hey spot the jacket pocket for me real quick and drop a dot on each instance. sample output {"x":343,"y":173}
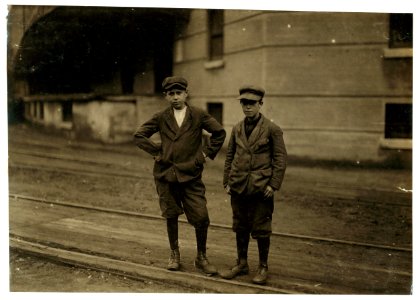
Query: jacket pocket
{"x":259,"y":179}
{"x":262,"y":146}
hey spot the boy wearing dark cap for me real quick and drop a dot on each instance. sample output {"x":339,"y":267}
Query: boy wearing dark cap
{"x":178,"y":167}
{"x":254,"y":169}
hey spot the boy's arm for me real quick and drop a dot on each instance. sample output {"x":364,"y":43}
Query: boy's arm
{"x":217,"y":138}
{"x":143,"y":134}
{"x":279,"y":160}
{"x":231,"y":149}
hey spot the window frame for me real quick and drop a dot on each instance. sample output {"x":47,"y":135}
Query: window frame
{"x":215,"y":31}
{"x":395,"y":143}
{"x":397,"y":49}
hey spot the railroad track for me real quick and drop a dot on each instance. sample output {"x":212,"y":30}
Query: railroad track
{"x":71,"y":158}
{"x":132,"y":270}
{"x":214,"y":225}
{"x":339,"y":265}
{"x":85,"y":236}
{"x":400,"y":198}
{"x":114,"y":264}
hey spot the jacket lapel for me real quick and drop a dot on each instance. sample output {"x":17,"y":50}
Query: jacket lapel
{"x":186,"y":124}
{"x":171,"y":122}
{"x":256,"y":133}
{"x":242,"y":135}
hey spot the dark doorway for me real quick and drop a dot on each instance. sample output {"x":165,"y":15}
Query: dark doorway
{"x":216,"y":110}
{"x":75,"y":49}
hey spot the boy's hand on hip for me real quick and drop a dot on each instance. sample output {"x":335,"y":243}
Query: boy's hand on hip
{"x":227,"y":189}
{"x":157,"y":158}
{"x":269,"y":192}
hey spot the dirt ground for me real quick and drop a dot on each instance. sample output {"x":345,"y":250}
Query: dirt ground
{"x":34,"y":274}
{"x":340,"y":203}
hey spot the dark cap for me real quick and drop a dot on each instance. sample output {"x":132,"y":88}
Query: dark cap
{"x":251,"y":92}
{"x":174,"y":81}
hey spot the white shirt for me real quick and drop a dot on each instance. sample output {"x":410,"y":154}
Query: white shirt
{"x":180,"y":115}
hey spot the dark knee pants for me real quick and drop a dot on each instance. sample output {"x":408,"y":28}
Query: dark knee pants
{"x":252,"y":214}
{"x":175,"y":198}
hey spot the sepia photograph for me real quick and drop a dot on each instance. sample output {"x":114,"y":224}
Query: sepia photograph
{"x":178,"y":150}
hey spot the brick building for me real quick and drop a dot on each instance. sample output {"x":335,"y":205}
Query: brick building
{"x":339,"y":84}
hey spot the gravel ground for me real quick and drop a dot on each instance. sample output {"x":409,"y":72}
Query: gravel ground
{"x":317,"y":200}
{"x":35,"y":274}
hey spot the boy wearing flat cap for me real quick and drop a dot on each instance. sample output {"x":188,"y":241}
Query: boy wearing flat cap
{"x":254,"y":169}
{"x":179,"y":163}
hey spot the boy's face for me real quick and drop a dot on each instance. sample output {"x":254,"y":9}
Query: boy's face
{"x":251,"y":108}
{"x":177,"y":98}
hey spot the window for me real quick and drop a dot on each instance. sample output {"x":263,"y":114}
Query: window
{"x":41,"y":110}
{"x":400,"y":36}
{"x":216,"y":110}
{"x":179,"y":51}
{"x":215,"y":27}
{"x":401,"y":31}
{"x":398,"y":121}
{"x":67,"y":111}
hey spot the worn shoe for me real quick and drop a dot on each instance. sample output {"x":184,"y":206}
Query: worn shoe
{"x":202,"y":263}
{"x":174,"y":260}
{"x":241,"y":268}
{"x":262,"y":274}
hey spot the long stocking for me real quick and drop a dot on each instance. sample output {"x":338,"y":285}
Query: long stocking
{"x":172,"y":228}
{"x":263,"y":249}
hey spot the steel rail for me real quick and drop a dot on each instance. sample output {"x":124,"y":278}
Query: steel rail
{"x":128,"y":174}
{"x":96,"y":162}
{"x":215,"y":225}
{"x":100,"y":262}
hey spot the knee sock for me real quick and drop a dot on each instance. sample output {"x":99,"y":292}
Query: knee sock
{"x":242,"y":242}
{"x":201,"y":237}
{"x":172,"y":229}
{"x":263,"y":249}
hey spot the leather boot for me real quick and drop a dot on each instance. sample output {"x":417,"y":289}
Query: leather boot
{"x":174,"y":260}
{"x":262,"y":275}
{"x":241,"y":268}
{"x":202,"y":263}
{"x":263,"y":249}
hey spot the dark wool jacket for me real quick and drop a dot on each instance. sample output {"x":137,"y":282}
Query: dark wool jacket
{"x":252,"y":164}
{"x":180,"y":152}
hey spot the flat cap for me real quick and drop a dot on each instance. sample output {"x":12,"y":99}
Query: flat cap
{"x":174,"y":81}
{"x":251,"y":92}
